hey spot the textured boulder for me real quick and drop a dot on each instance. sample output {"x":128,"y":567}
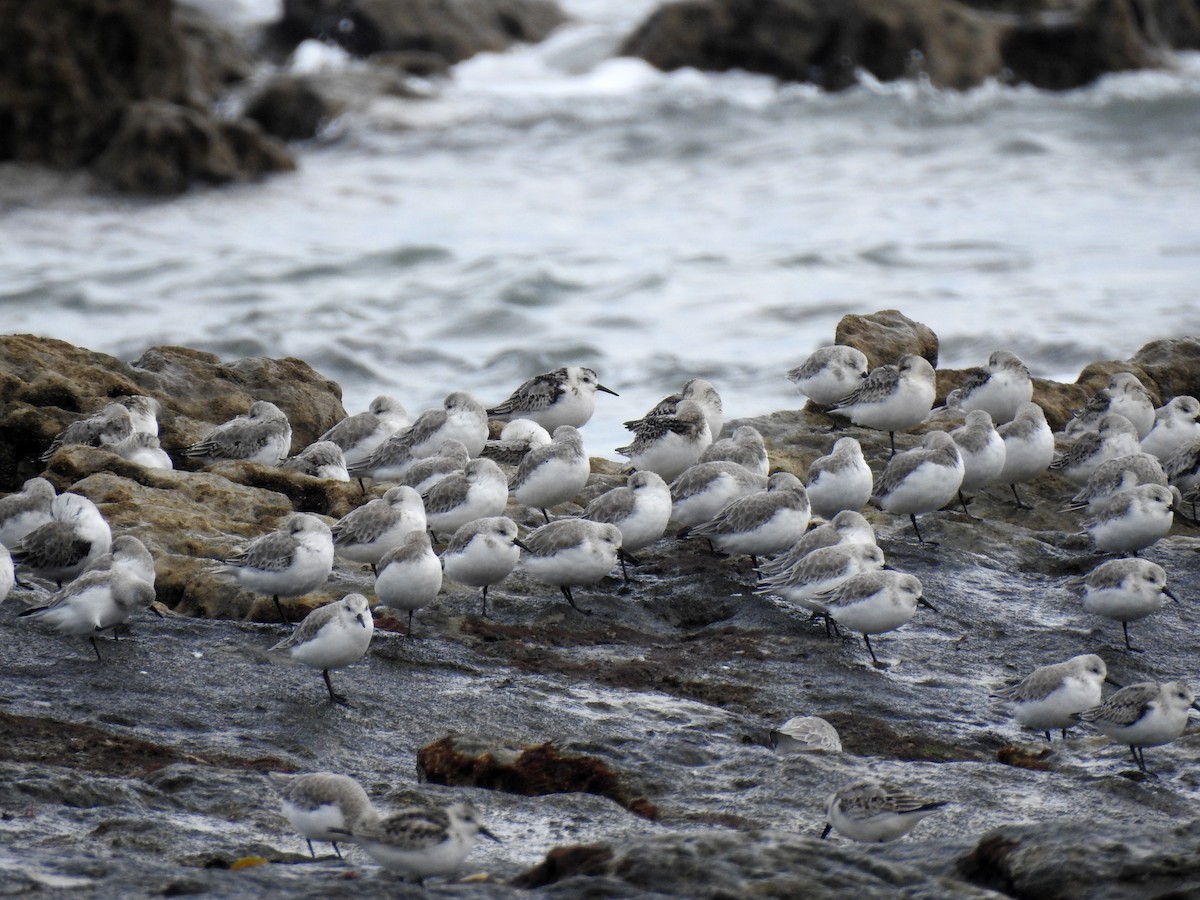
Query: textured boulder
{"x":887,"y":335}
{"x":289,"y":107}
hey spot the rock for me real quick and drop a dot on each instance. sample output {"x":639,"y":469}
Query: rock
{"x":887,"y":335}
{"x":1173,"y":365}
{"x":127,"y":95}
{"x":822,"y":41}
{"x":452,"y":31}
{"x":540,"y":769}
{"x":289,"y":107}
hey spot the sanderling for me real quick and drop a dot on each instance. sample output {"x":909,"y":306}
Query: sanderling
{"x":950,"y":414}
{"x":1114,"y":436}
{"x":285,"y":563}
{"x":744,"y":447}
{"x":25,"y":510}
{"x":552,"y":474}
{"x":921,"y":480}
{"x":821,"y":571}
{"x":1182,"y":467}
{"x":410,"y":576}
{"x":478,"y":492}
{"x":670,"y":443}
{"x":263,"y":435}
{"x":1143,"y":715}
{"x":704,"y":489}
{"x":1125,"y":590}
{"x":8,"y":574}
{"x":1126,"y":396}
{"x":700,"y":392}
{"x":128,"y":554}
{"x":517,"y":437}
{"x":422,"y":841}
{"x":316,"y":802}
{"x":143,"y":412}
{"x":892,"y":397}
{"x":461,"y":418}
{"x":374,"y":529}
{"x":452,"y":457}
{"x":565,"y":396}
{"x":801,"y":734}
{"x":571,"y":552}
{"x":641,"y":510}
{"x":1133,"y":519}
{"x":143,"y":449}
{"x":847,"y":527}
{"x":1115,"y":475}
{"x":94,"y":602}
{"x":874,"y":811}
{"x":331,"y":637}
{"x":324,"y":459}
{"x":1028,"y":447}
{"x":1175,"y":424}
{"x":873,"y":603}
{"x":841,"y":480}
{"x":482,"y":553}
{"x":830,"y":374}
{"x":108,"y":426}
{"x":761,"y":523}
{"x":361,"y":434}
{"x":63,"y":547}
{"x":1052,"y":696}
{"x":998,"y":390}
{"x":982,"y":451}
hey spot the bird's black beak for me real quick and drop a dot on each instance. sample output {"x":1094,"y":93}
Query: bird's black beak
{"x":921,"y":601}
{"x":488,"y":834}
{"x":1169,"y":594}
{"x":601,"y":387}
{"x":154,"y":609}
{"x":522,"y":546}
{"x":825,"y":833}
{"x":361,"y":620}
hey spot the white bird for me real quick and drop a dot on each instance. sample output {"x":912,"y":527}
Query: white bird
{"x":765,"y":522}
{"x":422,"y":841}
{"x":1126,"y":396}
{"x":571,"y":552}
{"x":479,"y":491}
{"x":641,"y":510}
{"x":1028,"y":447}
{"x":263,"y":435}
{"x":59,"y":550}
{"x":700,"y":392}
{"x":517,"y":437}
{"x":1175,"y":424}
{"x":324,"y":459}
{"x":921,"y":480}
{"x":553,"y":474}
{"x":143,"y":413}
{"x":982,"y":451}
{"x":322,"y":806}
{"x":819,"y":572}
{"x":410,"y":576}
{"x":874,"y":811}
{"x":366,"y":534}
{"x":460,"y":418}
{"x":704,"y":489}
{"x":451,"y":458}
{"x":873,"y":603}
{"x":331,"y":637}
{"x":802,"y":734}
{"x":482,"y":553}
{"x":830,"y":374}
{"x":1000,"y":389}
{"x":95,"y":602}
{"x":108,"y":426}
{"x":1114,"y":475}
{"x":128,"y":554}
{"x":8,"y":576}
{"x":1113,"y":437}
{"x":143,"y":449}
{"x":841,"y":480}
{"x":892,"y":397}
{"x":285,"y":563}
{"x":847,"y":527}
{"x":1053,"y":696}
{"x":1133,"y":519}
{"x":361,"y":434}
{"x":744,"y":447}
{"x":668,"y":444}
{"x":565,"y":396}
{"x":1124,"y":590}
{"x":1143,"y":715}
{"x":25,"y":510}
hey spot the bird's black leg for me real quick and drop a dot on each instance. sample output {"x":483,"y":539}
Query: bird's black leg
{"x":483,"y":609}
{"x":333,"y":696}
{"x":870,"y":649}
{"x":92,"y":638}
{"x":311,"y":851}
{"x":279,"y":607}
{"x":567,"y":593}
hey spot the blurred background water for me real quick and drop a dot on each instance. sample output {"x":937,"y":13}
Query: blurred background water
{"x":555,"y":205}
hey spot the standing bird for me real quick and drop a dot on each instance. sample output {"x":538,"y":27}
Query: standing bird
{"x":482,"y":553}
{"x":1126,"y":396}
{"x":263,"y":435}
{"x":758,"y":524}
{"x":1053,"y":696}
{"x":1113,"y":437}
{"x":830,"y":374}
{"x":323,"y":805}
{"x":25,"y":510}
{"x":452,"y":457}
{"x":422,"y":841}
{"x":892,"y":398}
{"x":553,"y":474}
{"x":744,"y":447}
{"x":640,"y":509}
{"x":847,"y":527}
{"x":461,"y":418}
{"x":1133,"y":519}
{"x":62,"y":548}
{"x":410,"y":576}
{"x":1143,"y":715}
{"x":841,"y":480}
{"x":96,"y":601}
{"x":921,"y":480}
{"x":1028,"y":447}
{"x":565,"y":396}
{"x":1124,"y":590}
{"x":820,"y":572}
{"x":700,"y":392}
{"x":361,"y":434}
{"x":982,"y":451}
{"x":479,"y":491}
{"x":366,"y":534}
{"x":874,"y":811}
{"x":873,"y":603}
{"x":331,"y":637}
{"x":704,"y":489}
{"x":1175,"y":424}
{"x":571,"y":552}
{"x":670,"y":443}
{"x":285,"y":563}
{"x":998,"y":390}
{"x":1115,"y":475}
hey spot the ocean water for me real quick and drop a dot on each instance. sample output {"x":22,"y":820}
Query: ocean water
{"x":555,"y":205}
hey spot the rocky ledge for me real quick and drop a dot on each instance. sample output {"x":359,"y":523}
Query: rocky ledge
{"x":144,"y":775}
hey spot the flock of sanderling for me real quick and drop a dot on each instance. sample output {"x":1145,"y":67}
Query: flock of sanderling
{"x":1133,"y":466}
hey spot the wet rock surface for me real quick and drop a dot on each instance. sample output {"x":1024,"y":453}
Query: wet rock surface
{"x":144,"y":774}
